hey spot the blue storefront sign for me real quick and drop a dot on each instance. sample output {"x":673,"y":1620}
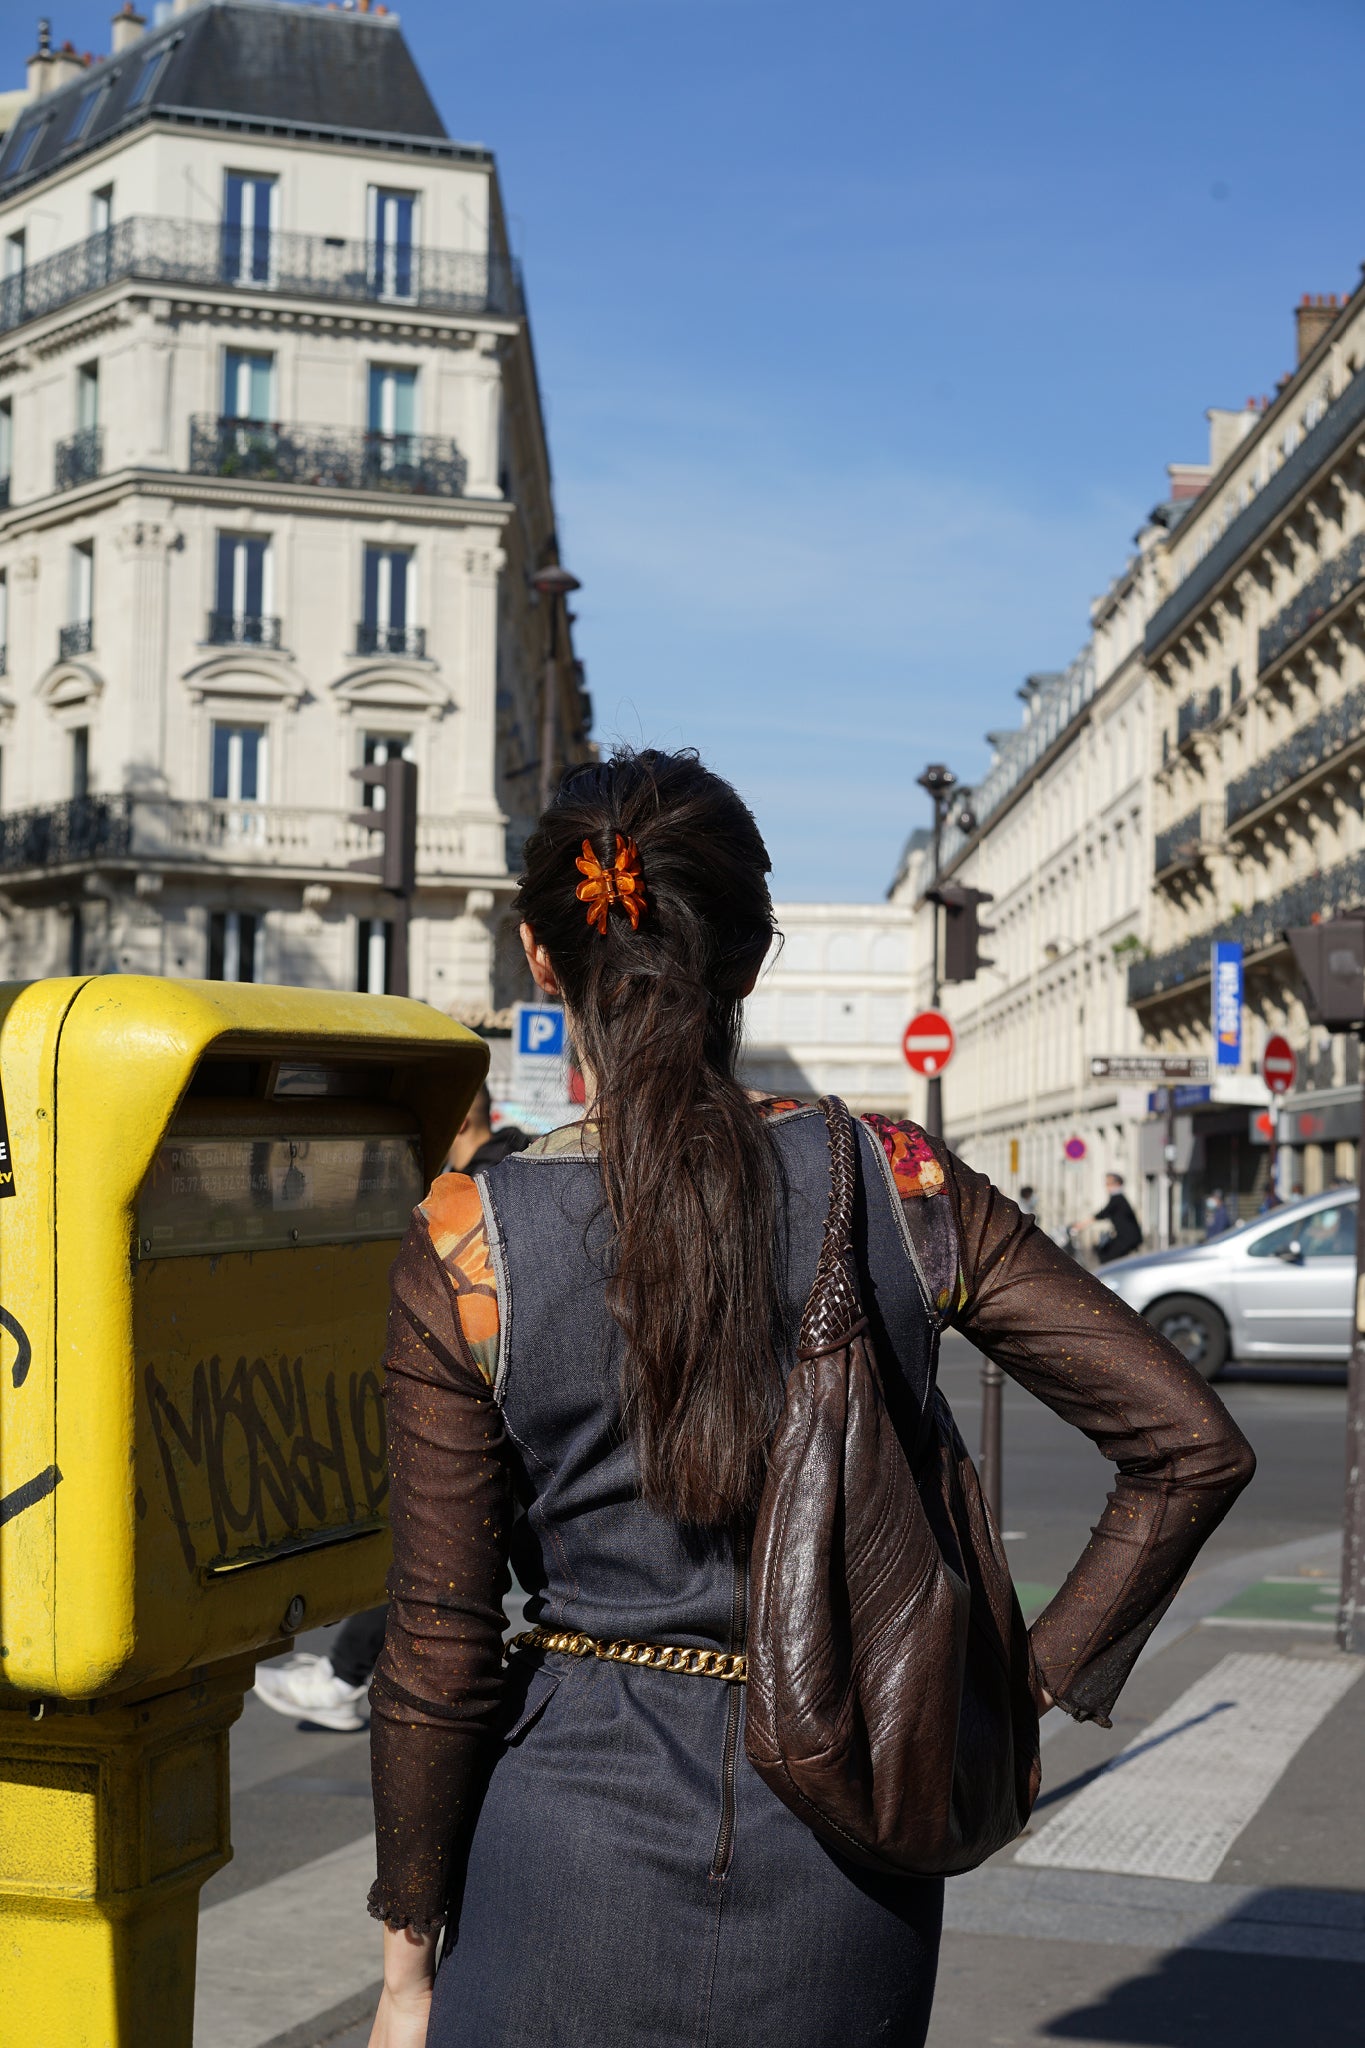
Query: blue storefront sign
{"x":1227,"y":1003}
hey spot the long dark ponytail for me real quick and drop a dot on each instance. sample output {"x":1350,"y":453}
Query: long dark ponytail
{"x":690,"y":1171}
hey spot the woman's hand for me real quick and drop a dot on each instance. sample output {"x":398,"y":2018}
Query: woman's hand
{"x":405,"y":2003}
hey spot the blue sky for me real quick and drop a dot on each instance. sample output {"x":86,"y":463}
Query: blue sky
{"x":866,"y":333}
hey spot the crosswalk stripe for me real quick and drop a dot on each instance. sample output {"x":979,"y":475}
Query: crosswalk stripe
{"x":1175,"y":1800}
{"x":271,"y":1958}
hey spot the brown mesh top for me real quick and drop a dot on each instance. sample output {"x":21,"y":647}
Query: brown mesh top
{"x":1046,"y":1321}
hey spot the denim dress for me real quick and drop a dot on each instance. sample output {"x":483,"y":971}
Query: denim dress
{"x":631,"y":1880}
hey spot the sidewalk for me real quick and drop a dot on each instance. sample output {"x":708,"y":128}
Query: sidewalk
{"x":1194,"y":1877}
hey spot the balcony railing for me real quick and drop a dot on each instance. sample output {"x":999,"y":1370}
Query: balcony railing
{"x":1320,"y":896}
{"x":1340,"y":726}
{"x":421,"y":465}
{"x":85,"y":828}
{"x":77,"y":638}
{"x":1196,"y":713}
{"x":4,"y":659}
{"x":1321,"y":592}
{"x":79,"y":458}
{"x":243,"y":629}
{"x":212,"y":831}
{"x":153,"y":249}
{"x":4,"y":493}
{"x":405,"y":640}
{"x":1180,"y":843}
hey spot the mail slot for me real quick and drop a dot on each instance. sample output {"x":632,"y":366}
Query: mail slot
{"x":207,"y":1185}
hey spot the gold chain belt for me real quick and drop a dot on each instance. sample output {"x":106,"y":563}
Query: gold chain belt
{"x":731,"y":1665}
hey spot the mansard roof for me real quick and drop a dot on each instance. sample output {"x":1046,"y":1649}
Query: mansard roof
{"x":253,"y":66}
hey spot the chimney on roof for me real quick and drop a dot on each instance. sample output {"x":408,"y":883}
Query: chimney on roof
{"x":40,"y":63}
{"x":67,"y":63}
{"x":1312,"y":318}
{"x":128,"y":25}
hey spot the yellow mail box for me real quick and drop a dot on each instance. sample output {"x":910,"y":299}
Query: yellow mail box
{"x":202,"y":1188}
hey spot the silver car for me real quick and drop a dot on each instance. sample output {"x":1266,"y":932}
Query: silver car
{"x":1281,"y":1286}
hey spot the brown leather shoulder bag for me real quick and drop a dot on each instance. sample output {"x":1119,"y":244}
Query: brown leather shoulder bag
{"x":890,"y":1696}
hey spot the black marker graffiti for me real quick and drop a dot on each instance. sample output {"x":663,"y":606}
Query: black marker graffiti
{"x":253,"y":1429}
{"x":23,"y":1357}
{"x":29,"y":1494}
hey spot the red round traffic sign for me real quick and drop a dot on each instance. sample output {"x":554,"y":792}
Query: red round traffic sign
{"x":928,"y":1042}
{"x":1279,"y":1064}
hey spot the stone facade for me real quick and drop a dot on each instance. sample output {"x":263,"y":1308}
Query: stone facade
{"x":1258,"y":671}
{"x":275,"y":484}
{"x":831,"y":1006}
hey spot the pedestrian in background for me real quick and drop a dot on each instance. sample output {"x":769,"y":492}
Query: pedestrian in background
{"x":588,"y":1346}
{"x":1028,"y":1205}
{"x":329,"y":1691}
{"x":1125,"y":1232}
{"x":1216,"y":1217}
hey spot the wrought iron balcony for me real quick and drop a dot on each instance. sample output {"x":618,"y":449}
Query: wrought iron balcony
{"x":1257,"y":929}
{"x":79,"y":458}
{"x":4,"y":659}
{"x":1340,"y":726}
{"x":77,"y":638}
{"x":1180,"y":844}
{"x":1196,"y":713}
{"x":214,"y":832}
{"x":85,"y":828}
{"x":1321,"y":592}
{"x":4,"y":493}
{"x":420,"y":465}
{"x":406,"y":640}
{"x":153,"y":249}
{"x":243,"y":629}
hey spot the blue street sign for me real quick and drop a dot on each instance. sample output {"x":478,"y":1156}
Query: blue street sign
{"x":540,"y":1031}
{"x":1226,"y":976}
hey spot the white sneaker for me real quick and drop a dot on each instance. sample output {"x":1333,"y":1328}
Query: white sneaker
{"x":307,"y":1688}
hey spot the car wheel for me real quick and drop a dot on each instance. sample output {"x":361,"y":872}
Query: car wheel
{"x":1195,"y":1328}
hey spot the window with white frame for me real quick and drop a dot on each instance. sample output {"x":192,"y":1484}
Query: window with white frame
{"x":87,"y":397}
{"x":240,"y":764}
{"x":374,"y":955}
{"x":392,"y":234}
{"x":244,"y":592}
{"x":234,"y":937}
{"x":250,"y":216}
{"x":248,"y":385}
{"x":81,"y":584}
{"x":102,"y":210}
{"x":389,"y":603}
{"x":392,"y":415}
{"x":78,"y":742}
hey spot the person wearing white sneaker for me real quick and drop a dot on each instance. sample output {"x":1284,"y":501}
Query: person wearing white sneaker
{"x":306,"y":1688}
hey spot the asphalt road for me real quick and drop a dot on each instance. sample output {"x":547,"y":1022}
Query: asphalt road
{"x":1055,"y":1482}
{"x":300,"y":1796}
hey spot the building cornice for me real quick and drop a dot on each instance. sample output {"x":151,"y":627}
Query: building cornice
{"x":58,"y":509}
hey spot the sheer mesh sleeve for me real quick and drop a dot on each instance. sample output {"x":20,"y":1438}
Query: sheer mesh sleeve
{"x":438,"y":1685}
{"x":1182,"y":1461}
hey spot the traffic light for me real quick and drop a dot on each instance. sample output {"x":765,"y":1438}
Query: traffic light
{"x":1331,"y":959}
{"x":963,"y":930}
{"x":396,"y":866}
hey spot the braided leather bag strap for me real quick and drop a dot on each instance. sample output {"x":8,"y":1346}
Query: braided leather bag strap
{"x":834,"y":1309}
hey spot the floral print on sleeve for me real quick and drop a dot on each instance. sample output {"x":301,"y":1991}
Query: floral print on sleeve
{"x":914,"y":1168}
{"x":453,"y":1215}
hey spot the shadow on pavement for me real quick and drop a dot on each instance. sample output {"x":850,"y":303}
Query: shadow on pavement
{"x":1194,"y":1999}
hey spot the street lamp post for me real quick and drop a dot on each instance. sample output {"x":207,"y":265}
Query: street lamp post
{"x":940,"y":782}
{"x":553,"y":583}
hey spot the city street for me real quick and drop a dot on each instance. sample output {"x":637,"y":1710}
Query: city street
{"x":1035,"y":1952}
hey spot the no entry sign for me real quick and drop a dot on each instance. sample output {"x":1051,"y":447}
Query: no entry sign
{"x":1279,"y":1064}
{"x":928,"y":1042}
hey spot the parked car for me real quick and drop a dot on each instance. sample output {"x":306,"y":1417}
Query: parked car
{"x":1280,"y":1286}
